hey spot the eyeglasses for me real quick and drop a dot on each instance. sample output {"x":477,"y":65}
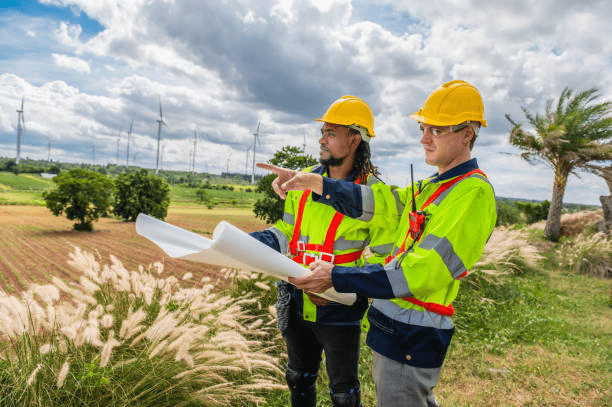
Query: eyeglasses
{"x":437,"y":132}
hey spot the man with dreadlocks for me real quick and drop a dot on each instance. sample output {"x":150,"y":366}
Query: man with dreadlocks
{"x":310,"y":231}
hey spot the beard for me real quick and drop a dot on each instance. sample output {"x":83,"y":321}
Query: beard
{"x":331,"y":161}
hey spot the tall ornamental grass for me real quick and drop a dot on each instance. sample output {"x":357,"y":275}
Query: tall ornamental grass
{"x":587,"y":254}
{"x":119,"y":338}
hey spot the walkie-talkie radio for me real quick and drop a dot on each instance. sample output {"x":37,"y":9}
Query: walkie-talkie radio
{"x":417,"y":218}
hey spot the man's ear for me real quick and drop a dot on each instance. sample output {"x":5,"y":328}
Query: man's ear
{"x":469,"y":134}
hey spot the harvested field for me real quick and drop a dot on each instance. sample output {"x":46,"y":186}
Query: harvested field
{"x":34,"y":244}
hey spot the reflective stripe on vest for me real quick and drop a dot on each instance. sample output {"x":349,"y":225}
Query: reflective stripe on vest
{"x":430,"y":306}
{"x":326,"y":250}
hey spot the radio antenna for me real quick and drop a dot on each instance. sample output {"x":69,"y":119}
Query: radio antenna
{"x":412,"y":189}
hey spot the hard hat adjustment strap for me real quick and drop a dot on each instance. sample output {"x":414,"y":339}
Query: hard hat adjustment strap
{"x":362,"y":130}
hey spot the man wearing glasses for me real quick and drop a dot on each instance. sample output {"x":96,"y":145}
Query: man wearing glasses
{"x":445,"y":224}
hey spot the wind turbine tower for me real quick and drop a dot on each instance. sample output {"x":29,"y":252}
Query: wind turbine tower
{"x":160,"y":123}
{"x":195,"y":151}
{"x":127,"y":156}
{"x":118,"y":141}
{"x":20,"y":131}
{"x":255,"y":141}
{"x":246,"y":164}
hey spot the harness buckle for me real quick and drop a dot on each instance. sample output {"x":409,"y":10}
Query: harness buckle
{"x":328,"y":257}
{"x":301,"y":246}
{"x":310,"y":258}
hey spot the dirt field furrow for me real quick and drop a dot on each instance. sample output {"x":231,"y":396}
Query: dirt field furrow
{"x":22,"y":262}
{"x":35,"y":245}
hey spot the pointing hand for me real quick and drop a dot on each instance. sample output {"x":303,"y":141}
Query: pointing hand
{"x":292,"y":180}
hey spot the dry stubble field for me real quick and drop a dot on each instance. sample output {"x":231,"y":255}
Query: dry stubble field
{"x":35,"y":245}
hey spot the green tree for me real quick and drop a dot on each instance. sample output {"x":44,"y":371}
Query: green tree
{"x":507,"y":213}
{"x":82,"y":194}
{"x":141,"y":192}
{"x":270,"y":207}
{"x":568,"y":137}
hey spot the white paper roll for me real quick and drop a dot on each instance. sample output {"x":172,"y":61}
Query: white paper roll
{"x":229,"y":247}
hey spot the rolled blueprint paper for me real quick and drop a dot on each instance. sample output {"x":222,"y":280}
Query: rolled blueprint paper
{"x":229,"y":247}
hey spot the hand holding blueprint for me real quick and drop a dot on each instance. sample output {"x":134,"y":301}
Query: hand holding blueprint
{"x":229,"y":247}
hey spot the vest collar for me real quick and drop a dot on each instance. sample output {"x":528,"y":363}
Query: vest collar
{"x":461,"y":169}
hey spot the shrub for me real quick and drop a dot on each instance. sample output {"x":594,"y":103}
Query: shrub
{"x":202,"y":195}
{"x":507,"y":213}
{"x":534,"y":212}
{"x":141,"y":192}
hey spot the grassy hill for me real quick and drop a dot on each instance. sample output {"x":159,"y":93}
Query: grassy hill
{"x":26,"y":189}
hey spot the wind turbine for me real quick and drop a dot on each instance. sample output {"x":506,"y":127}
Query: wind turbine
{"x":160,"y":123}
{"x":127,"y":156}
{"x":255,"y":141}
{"x":20,"y":131}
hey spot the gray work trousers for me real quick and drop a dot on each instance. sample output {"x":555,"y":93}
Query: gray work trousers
{"x":401,"y":385}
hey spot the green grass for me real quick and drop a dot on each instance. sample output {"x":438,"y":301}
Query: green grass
{"x":26,"y":189}
{"x":23,"y":189}
{"x":239,"y":197}
{"x":534,"y":337}
{"x":24,"y":182}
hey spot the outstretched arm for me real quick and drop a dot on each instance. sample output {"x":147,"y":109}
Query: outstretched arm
{"x":292,"y":180}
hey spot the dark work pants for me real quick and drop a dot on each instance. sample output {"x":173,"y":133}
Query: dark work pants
{"x":305,"y":343}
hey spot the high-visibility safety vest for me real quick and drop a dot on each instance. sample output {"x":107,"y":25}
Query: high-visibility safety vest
{"x":315,"y":231}
{"x":306,"y":253}
{"x":442,"y":202}
{"x":448,"y":310}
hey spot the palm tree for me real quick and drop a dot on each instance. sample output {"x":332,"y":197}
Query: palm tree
{"x":568,"y":138}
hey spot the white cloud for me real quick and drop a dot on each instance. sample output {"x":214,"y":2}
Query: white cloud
{"x":74,"y":63}
{"x":219,"y":68}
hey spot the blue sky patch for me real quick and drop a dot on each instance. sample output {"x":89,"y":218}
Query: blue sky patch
{"x":72,"y":14}
{"x":385,"y":15}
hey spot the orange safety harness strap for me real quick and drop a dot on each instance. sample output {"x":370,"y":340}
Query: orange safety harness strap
{"x":326,"y":250}
{"x":430,"y":306}
{"x":432,"y":198}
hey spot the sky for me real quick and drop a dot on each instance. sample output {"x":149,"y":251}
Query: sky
{"x":89,"y":70}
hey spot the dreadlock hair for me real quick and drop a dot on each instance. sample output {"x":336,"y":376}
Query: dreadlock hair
{"x":362,"y":165}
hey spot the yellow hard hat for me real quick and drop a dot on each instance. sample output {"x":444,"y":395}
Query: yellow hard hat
{"x":351,"y":111}
{"x":453,"y":103}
